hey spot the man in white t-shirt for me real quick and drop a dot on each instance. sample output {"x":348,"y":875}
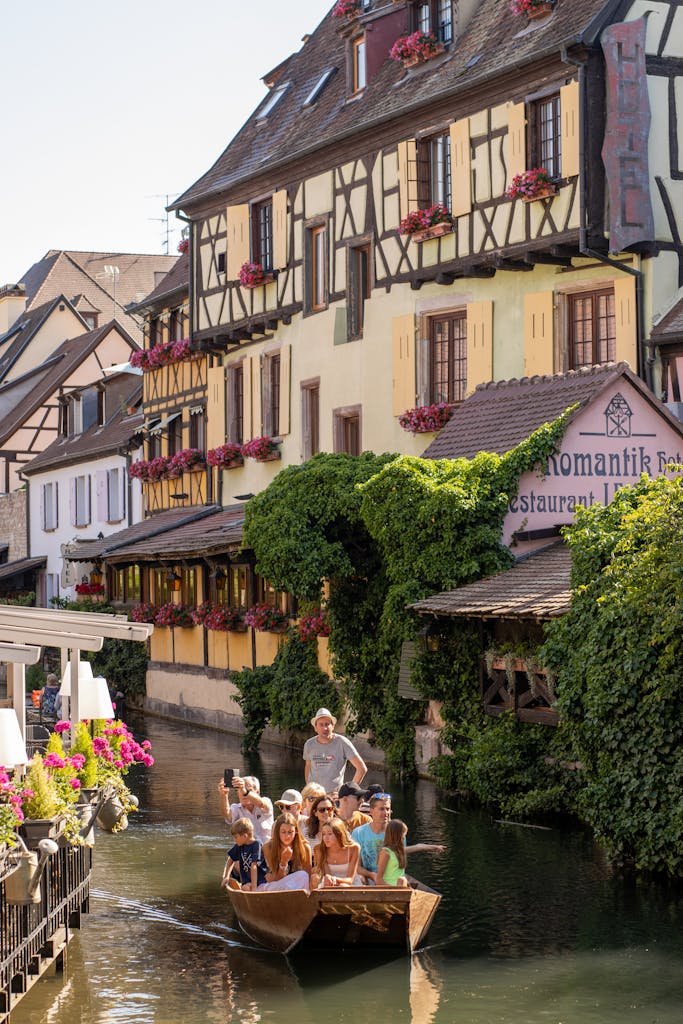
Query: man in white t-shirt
{"x":326,"y":754}
{"x":258,"y":809}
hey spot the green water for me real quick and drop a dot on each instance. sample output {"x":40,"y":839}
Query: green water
{"x":533,"y":928}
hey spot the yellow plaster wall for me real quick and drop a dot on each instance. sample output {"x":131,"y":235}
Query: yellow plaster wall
{"x":189,"y":646}
{"x":192,"y":691}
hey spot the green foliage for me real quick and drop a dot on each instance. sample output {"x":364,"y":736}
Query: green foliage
{"x":21,"y":600}
{"x":617,"y":660}
{"x":123,"y":664}
{"x":82,"y":744}
{"x":285,"y":694}
{"x":35,"y":678}
{"x":45,"y":801}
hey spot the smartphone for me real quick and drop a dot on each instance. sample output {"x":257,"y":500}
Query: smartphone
{"x":228,"y":775}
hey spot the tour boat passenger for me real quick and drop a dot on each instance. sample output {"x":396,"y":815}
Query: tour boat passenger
{"x":336,"y":857}
{"x":322,"y":810}
{"x":291,"y":801}
{"x":309,"y":794}
{"x":287,"y":856}
{"x":258,"y":809}
{"x":391,"y":863}
{"x":370,"y":838}
{"x":326,"y":754}
{"x":350,"y":799}
{"x":246,"y":855}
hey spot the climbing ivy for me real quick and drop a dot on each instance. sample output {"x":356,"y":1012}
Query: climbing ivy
{"x":617,"y":659}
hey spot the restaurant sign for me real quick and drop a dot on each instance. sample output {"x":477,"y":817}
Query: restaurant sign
{"x":610,"y":443}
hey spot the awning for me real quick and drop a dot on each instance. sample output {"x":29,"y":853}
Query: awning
{"x":163,"y":424}
{"x":21,"y":566}
{"x":538,"y":587}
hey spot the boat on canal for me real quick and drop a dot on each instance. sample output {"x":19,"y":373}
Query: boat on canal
{"x":349,"y":916}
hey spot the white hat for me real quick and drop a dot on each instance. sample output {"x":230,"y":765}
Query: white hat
{"x":290,"y":796}
{"x":323,"y":713}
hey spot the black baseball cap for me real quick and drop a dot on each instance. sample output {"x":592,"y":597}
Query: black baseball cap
{"x":352,"y":789}
{"x":374,"y":789}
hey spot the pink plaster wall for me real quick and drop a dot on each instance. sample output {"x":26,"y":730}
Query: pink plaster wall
{"x":610,"y":443}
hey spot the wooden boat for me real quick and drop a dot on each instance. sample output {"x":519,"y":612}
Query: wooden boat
{"x":353,"y":916}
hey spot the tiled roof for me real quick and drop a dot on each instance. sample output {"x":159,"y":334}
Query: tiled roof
{"x":116,"y":434}
{"x":670,"y":327}
{"x":10,"y":569}
{"x":216,"y":534}
{"x":88,"y":551}
{"x":81,"y":274}
{"x":537,"y":587}
{"x":493,"y":42}
{"x":23,"y":330}
{"x":21,"y":397}
{"x":499,"y":415}
{"x":177,"y":280}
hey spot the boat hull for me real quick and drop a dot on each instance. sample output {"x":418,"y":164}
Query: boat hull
{"x":362,"y":916}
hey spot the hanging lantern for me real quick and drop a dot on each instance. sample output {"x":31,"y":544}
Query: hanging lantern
{"x":96,"y":576}
{"x":175,"y":581}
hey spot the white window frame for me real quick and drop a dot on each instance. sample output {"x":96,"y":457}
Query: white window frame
{"x":50,"y":507}
{"x":116,"y":500}
{"x":82,"y":510}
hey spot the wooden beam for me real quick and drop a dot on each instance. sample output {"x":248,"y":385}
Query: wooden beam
{"x":501,"y":263}
{"x":547,"y":259}
{"x":445,"y":278}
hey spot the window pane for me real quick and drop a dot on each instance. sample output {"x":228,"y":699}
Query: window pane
{"x":440,"y":170}
{"x":359,"y":73}
{"x":606,"y":329}
{"x":319,"y":265}
{"x":444,"y":16}
{"x":265,"y":235}
{"x":274,"y":369}
{"x":449,"y":359}
{"x":549,"y":128}
{"x":424,"y":17}
{"x":314,"y":419}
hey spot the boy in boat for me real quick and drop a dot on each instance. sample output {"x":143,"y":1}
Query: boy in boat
{"x":370,"y":838}
{"x":246,"y":855}
{"x":326,"y":754}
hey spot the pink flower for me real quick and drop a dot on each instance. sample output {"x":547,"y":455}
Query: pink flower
{"x":119,"y":764}
{"x":146,"y":745}
{"x":27,"y":793}
{"x":54,"y":761}
{"x":100,"y":745}
{"x":75,"y":783}
{"x":426,"y":418}
{"x":148,"y":760}
{"x":62,"y":725}
{"x":76,"y":761}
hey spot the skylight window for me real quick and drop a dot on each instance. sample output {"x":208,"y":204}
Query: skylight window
{"x":318,"y":87}
{"x":273,"y":100}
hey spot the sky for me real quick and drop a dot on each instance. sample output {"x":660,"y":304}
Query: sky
{"x":109,"y":107}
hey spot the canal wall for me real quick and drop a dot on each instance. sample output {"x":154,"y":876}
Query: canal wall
{"x":207,"y":697}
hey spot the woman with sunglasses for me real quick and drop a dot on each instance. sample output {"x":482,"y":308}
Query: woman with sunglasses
{"x":309,"y":794}
{"x":322,"y":810}
{"x":336,"y":857}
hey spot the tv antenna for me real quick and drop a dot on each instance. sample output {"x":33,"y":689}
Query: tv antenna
{"x":111,"y":272}
{"x":166,"y":220}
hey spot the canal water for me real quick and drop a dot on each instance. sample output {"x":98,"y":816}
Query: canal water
{"x":533,"y":928}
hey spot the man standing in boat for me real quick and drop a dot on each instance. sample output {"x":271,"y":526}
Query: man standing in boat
{"x":327,"y":753}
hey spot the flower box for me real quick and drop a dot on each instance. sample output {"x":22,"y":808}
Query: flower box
{"x":532,"y":8}
{"x":434,"y":232}
{"x":419,"y":58}
{"x":416,"y":48}
{"x":252,"y":275}
{"x":531,"y":185}
{"x":545,"y":193}
{"x":150,"y":359}
{"x":33,"y":830}
{"x":266,"y":619}
{"x":262,"y":449}
{"x":426,"y":419}
{"x":542,"y":11}
{"x":226,"y":456}
{"x":419,"y":222}
{"x":348,"y":9}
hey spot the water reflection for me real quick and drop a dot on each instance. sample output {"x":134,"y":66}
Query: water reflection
{"x":533,"y":928}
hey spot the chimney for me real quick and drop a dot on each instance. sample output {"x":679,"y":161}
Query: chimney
{"x":12,"y":305}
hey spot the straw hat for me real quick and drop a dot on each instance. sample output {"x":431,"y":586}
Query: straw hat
{"x":323,"y":713}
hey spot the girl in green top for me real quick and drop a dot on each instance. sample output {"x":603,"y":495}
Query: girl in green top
{"x":391,"y":862}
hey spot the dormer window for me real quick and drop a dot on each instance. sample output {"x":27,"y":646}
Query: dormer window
{"x":318,"y":87}
{"x":359,"y":77}
{"x":435,"y":16}
{"x":272,"y":101}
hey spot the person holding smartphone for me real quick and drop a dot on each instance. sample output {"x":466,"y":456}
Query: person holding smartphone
{"x":250,"y":804}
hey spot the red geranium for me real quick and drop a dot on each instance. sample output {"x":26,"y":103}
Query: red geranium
{"x":143,"y":612}
{"x":251,"y":275}
{"x":422,"y":45}
{"x":264,"y":617}
{"x":225,"y":455}
{"x":419,"y":220}
{"x":171,"y":614}
{"x":346,"y":9}
{"x":524,"y":6}
{"x":260,"y":448}
{"x":426,"y":418}
{"x":314,"y":625}
{"x":529,"y":184}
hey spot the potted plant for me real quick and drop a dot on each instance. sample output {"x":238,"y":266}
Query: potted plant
{"x":187,"y":460}
{"x":43,"y":807}
{"x":252,"y":275}
{"x":219,"y":618}
{"x":265,"y":618}
{"x":261,"y":449}
{"x":183,"y":246}
{"x":116,"y":749}
{"x":226,"y":456}
{"x":313,"y":625}
{"x":532,"y":8}
{"x":348,"y":9}
{"x":143,"y":612}
{"x":426,"y":419}
{"x":428,"y":223}
{"x":169,"y":352}
{"x":11,"y":814}
{"x":416,"y":48}
{"x":175,"y":615}
{"x":531,"y":185}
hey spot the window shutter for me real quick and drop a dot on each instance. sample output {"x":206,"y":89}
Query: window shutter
{"x":626,"y":348}
{"x":306,"y":423}
{"x":246,"y":400}
{"x":269,"y":428}
{"x":403,"y":381}
{"x":122,"y":490}
{"x":423,"y":374}
{"x":407,"y":177}
{"x":102,"y":494}
{"x":516,"y":151}
{"x":55,"y":498}
{"x":43,"y":506}
{"x":571,"y":120}
{"x":238,"y":239}
{"x":280,"y":229}
{"x":285,"y":388}
{"x":72,"y":500}
{"x":461,"y":164}
{"x":256,"y":402}
{"x":215,"y":407}
{"x":538,"y":333}
{"x":88,"y":499}
{"x":479,"y":344}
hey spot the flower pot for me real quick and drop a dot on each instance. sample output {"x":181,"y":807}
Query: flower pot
{"x":544,"y":193}
{"x":273,"y":457}
{"x":542,"y":11}
{"x":112,"y":816}
{"x":435,"y":231}
{"x":266,"y":279}
{"x":418,"y":58}
{"x":32,"y":831}
{"x":234,"y":464}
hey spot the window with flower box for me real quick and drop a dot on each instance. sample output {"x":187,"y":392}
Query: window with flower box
{"x":592,"y":328}
{"x":262,"y":234}
{"x":434,"y":16}
{"x":448,"y":358}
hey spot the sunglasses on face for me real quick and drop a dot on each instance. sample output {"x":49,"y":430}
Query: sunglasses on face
{"x":324,"y":810}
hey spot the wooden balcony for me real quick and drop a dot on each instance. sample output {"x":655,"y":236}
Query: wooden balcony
{"x":520,"y":688}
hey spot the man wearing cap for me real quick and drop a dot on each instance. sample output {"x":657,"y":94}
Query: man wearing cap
{"x":291,"y":801}
{"x":326,"y":754}
{"x":350,"y":798}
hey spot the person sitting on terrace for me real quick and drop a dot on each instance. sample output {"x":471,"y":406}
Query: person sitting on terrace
{"x":291,"y":801}
{"x":322,"y":810}
{"x":326,"y":754}
{"x":50,"y":701}
{"x":336,"y":857}
{"x":287,"y":856}
{"x":391,"y":863}
{"x":246,"y":855}
{"x":351,"y":797}
{"x":309,"y":794}
{"x":250,"y":804}
{"x":370,"y":838}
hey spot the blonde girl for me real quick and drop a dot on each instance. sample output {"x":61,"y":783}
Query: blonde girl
{"x":336,"y":857}
{"x":287,"y":857}
{"x":391,"y":862}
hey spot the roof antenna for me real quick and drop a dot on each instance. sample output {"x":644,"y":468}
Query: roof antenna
{"x":111,"y":272}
